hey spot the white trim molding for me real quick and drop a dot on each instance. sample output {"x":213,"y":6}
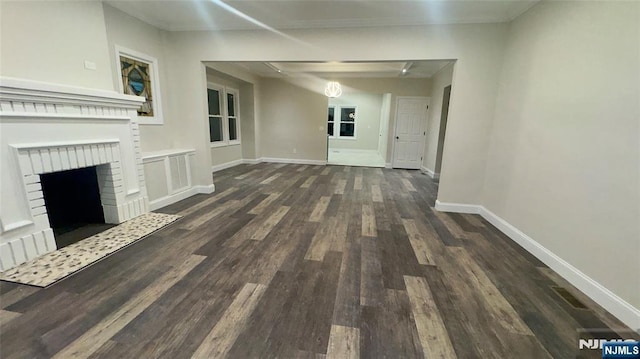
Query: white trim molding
{"x":254,"y":161}
{"x":458,"y":207}
{"x":177,"y":197}
{"x":610,"y":301}
{"x":293,"y":161}
{"x":223,"y":166}
{"x":251,"y":161}
{"x":429,"y":172}
{"x":208,"y":189}
{"x":176,"y":164}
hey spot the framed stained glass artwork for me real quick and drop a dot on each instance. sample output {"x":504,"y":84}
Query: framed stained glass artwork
{"x":138,"y":76}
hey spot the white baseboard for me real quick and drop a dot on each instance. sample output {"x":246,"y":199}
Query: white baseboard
{"x":387,"y":165}
{"x":177,"y":197}
{"x":293,"y":161}
{"x":458,"y":207}
{"x":430,"y":173}
{"x":251,"y":161}
{"x":617,"y":306}
{"x":226,"y":165}
{"x":208,"y":189}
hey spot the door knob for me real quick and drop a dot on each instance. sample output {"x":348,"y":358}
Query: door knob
{"x":397,"y":138}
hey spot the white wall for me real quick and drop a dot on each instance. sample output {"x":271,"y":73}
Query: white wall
{"x":128,"y":32}
{"x":564,"y":161}
{"x":49,"y":41}
{"x":385,"y":118}
{"x":368,"y":106}
{"x":439,"y":81}
{"x":293,"y":121}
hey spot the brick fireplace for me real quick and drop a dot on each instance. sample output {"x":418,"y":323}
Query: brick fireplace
{"x":48,"y":128}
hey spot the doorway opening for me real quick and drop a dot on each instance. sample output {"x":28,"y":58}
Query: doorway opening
{"x":355,"y":122}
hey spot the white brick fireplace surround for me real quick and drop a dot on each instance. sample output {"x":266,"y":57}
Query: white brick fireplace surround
{"x":47,"y":128}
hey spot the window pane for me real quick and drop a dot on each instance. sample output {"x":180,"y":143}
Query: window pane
{"x":330,"y":129}
{"x":230,"y":105}
{"x":347,"y":129}
{"x":233,"y":131}
{"x":331,"y":111}
{"x":347,"y":114}
{"x":215,"y":129}
{"x":214,"y":102}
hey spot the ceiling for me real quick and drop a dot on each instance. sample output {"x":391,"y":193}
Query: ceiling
{"x":328,"y":70}
{"x":188,"y":15}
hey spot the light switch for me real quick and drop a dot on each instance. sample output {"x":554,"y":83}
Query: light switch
{"x":89,"y":65}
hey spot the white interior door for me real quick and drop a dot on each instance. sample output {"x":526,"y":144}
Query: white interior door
{"x":411,"y":122}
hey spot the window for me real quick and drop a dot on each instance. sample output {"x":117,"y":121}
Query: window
{"x":341,"y":122}
{"x":232,"y":114}
{"x":215,"y":116}
{"x":330,"y":123}
{"x":224,"y":116}
{"x":139,"y":76}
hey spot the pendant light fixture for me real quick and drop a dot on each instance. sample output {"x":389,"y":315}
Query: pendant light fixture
{"x":333,"y":89}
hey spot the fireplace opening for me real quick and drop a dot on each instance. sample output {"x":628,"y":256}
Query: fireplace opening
{"x":72,"y":199}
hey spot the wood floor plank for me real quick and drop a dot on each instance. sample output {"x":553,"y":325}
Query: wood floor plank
{"x":376,"y":193}
{"x":195,"y":222}
{"x":271,"y":222}
{"x":474,"y":219}
{"x":218,"y":342}
{"x":319,"y":209}
{"x":340,"y":186}
{"x":433,"y":334}
{"x":499,"y":307}
{"x":419,"y":243}
{"x":371,"y":285}
{"x":451,"y":225}
{"x":16,"y":294}
{"x":346,"y":310}
{"x":7,"y":316}
{"x":344,"y":343}
{"x":265,"y":203}
{"x":271,"y":179}
{"x":308,"y":182}
{"x":93,"y":339}
{"x":369,"y":228}
{"x":407,"y":185}
{"x":321,"y":241}
{"x":388,"y":331}
{"x":214,"y":198}
{"x":246,"y":174}
{"x":357,"y":183}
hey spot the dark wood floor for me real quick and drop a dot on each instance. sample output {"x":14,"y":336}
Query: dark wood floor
{"x":297,"y":261}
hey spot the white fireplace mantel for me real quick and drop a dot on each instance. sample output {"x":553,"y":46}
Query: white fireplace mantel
{"x":48,"y":128}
